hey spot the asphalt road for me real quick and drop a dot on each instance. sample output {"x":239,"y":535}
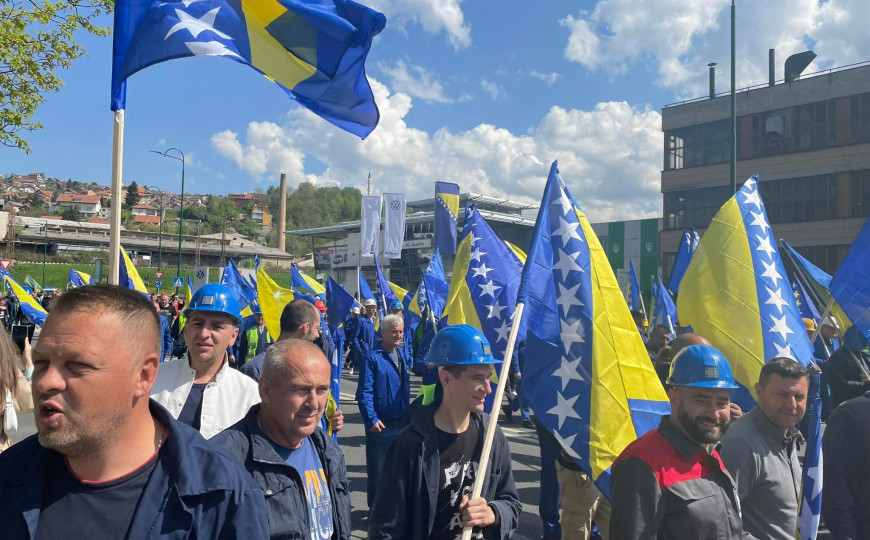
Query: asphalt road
{"x":524,"y":450}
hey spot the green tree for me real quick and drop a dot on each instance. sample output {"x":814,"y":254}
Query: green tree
{"x":71,"y":213}
{"x":37,"y":39}
{"x":132,"y":198}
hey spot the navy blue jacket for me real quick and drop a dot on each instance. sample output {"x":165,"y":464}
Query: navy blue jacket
{"x":193,"y":492}
{"x":406,"y":509}
{"x":363,"y":341}
{"x":284,"y":489}
{"x":384,"y":392}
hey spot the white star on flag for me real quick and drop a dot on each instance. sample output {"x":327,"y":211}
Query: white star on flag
{"x":780,"y":326}
{"x":494,"y":310}
{"x":568,"y":371}
{"x":775,"y":298}
{"x":567,"y":263}
{"x":566,"y":443}
{"x":759,"y":221}
{"x":564,"y":202}
{"x":481,"y":270}
{"x":771,"y":273}
{"x":477,"y":254}
{"x":564,"y":408}
{"x":571,"y":333}
{"x":567,"y":231}
{"x":816,"y":474}
{"x":752,"y":198}
{"x":489,"y":288}
{"x":783,"y":351}
{"x":210,"y":48}
{"x":568,"y":296}
{"x":474,"y":239}
{"x":764,"y":245}
{"x":195,"y":26}
{"x":503,"y":332}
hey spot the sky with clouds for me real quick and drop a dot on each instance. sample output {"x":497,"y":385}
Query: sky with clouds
{"x":482,"y":93}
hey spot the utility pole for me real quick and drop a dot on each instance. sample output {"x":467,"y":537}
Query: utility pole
{"x":733,"y":97}
{"x":160,"y":235}
{"x":282,"y":211}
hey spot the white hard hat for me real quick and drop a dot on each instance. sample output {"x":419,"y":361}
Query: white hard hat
{"x":370,"y":302}
{"x":355,"y":310}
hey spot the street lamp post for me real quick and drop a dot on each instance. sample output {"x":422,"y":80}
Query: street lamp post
{"x":160,"y":236}
{"x":178,"y":157}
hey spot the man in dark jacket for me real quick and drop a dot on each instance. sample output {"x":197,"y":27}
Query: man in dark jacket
{"x":432,"y":466}
{"x":671,"y":483}
{"x":107,"y":462}
{"x":846,"y":492}
{"x":848,"y":370}
{"x":300,"y":469}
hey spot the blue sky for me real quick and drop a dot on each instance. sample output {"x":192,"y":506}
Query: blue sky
{"x":484,"y":93}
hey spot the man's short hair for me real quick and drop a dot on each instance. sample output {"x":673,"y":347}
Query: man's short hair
{"x":787,"y":368}
{"x":295,"y":314}
{"x":275,"y":365}
{"x":391,"y":321}
{"x":131,"y":307}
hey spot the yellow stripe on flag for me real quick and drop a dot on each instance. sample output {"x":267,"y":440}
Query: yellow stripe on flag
{"x":272,"y":299}
{"x":270,"y":56}
{"x":132,"y":273}
{"x":459,"y":308}
{"x":313,"y":283}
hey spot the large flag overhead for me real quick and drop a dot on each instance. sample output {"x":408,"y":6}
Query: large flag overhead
{"x":272,"y":299}
{"x":736,"y":292}
{"x":128,"y":276}
{"x":28,"y":304}
{"x":339,"y":302}
{"x":301,"y":280}
{"x":587,"y":373}
{"x":313,"y":49}
{"x":486,"y":278}
{"x":851,"y":284}
{"x":446,"y":214}
{"x":688,"y":245}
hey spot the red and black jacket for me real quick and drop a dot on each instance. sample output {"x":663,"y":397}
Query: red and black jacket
{"x":666,"y":486}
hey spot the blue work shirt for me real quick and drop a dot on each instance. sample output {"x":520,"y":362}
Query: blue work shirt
{"x":385,"y":390}
{"x":194,"y":491}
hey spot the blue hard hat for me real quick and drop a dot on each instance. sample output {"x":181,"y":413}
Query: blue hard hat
{"x":460,"y":345}
{"x":395,"y":304}
{"x":216,"y":298}
{"x":702,"y":366}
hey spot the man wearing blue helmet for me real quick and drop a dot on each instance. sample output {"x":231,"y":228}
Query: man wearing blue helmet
{"x":431,"y":467}
{"x":202,"y":390}
{"x":671,"y":482}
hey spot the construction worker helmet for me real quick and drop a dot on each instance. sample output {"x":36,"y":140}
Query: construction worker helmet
{"x":396,"y":305}
{"x":809,"y":324}
{"x":369,"y":302}
{"x":320,"y":305}
{"x":702,"y":366}
{"x":355,"y":310}
{"x":460,"y":345}
{"x":216,"y":298}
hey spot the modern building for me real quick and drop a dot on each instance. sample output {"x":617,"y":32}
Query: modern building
{"x":86,"y":204}
{"x":807,"y":140}
{"x":633,"y":243}
{"x":336,"y":247}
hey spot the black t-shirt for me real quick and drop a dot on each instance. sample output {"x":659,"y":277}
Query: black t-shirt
{"x":192,"y":410}
{"x":458,"y":453}
{"x":96,"y":511}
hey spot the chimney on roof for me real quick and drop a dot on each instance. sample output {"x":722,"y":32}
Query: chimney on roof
{"x":771,"y":66}
{"x":712,"y":67}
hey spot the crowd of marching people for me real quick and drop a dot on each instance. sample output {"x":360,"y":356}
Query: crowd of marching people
{"x":156,"y":418}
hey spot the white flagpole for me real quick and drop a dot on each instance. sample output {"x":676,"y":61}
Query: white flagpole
{"x":117,"y":181}
{"x":496,"y":409}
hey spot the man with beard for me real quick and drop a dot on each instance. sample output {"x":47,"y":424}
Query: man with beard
{"x":671,"y":483}
{"x":108,"y":462}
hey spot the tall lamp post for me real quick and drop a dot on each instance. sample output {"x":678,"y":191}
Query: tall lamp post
{"x":160,"y":237}
{"x":177,"y":155}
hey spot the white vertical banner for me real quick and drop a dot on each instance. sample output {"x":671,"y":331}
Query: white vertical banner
{"x":370,"y":225}
{"x":394,"y":224}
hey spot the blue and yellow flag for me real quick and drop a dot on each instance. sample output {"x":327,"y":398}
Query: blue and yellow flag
{"x":664,"y":311}
{"x":128,"y":276}
{"x":339,"y":302}
{"x":688,"y":244}
{"x":188,"y":291}
{"x":31,"y":283}
{"x":247,"y":296}
{"x":587,"y":373}
{"x":313,"y":49}
{"x":446,"y":214}
{"x":385,"y":292}
{"x":736,"y":293}
{"x":486,"y":278}
{"x":28,"y":304}
{"x":301,"y":280}
{"x":433,"y":289}
{"x":76,"y":278}
{"x":365,"y":292}
{"x":272,"y":299}
{"x":851,"y":284}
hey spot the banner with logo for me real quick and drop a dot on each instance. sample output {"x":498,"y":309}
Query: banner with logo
{"x":394,"y":224}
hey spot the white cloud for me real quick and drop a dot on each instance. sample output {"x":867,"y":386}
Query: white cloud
{"x":434,"y":16}
{"x":609,"y":155}
{"x":549,"y":79}
{"x":492,"y":88}
{"x":680,"y":37}
{"x":415,"y":81}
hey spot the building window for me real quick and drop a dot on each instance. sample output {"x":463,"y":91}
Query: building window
{"x":674,"y":152}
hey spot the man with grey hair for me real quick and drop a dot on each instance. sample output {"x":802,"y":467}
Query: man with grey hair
{"x":299,"y":468}
{"x":383,"y":395}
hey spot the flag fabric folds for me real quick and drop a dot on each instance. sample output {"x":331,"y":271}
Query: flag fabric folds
{"x":128,"y":276}
{"x":736,"y":293}
{"x":385,"y":293}
{"x":635,"y":300}
{"x":27,"y":303}
{"x":816,"y":283}
{"x":394,"y":224}
{"x":188,"y":291}
{"x":688,"y":244}
{"x":851,"y":284}
{"x":247,"y":296}
{"x":365,"y":292}
{"x":76,"y":278}
{"x":433,"y":288}
{"x":370,"y":225}
{"x":587,"y":373}
{"x":665,"y":312}
{"x":446,"y":214}
{"x":811,"y":501}
{"x":272,"y":298}
{"x":339,"y":302}
{"x":313,"y":49}
{"x":31,"y":283}
{"x":301,"y":280}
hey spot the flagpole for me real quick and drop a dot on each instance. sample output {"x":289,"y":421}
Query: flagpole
{"x":117,"y":175}
{"x":496,"y":409}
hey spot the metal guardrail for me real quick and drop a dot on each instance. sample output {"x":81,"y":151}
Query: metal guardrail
{"x":767,"y":85}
